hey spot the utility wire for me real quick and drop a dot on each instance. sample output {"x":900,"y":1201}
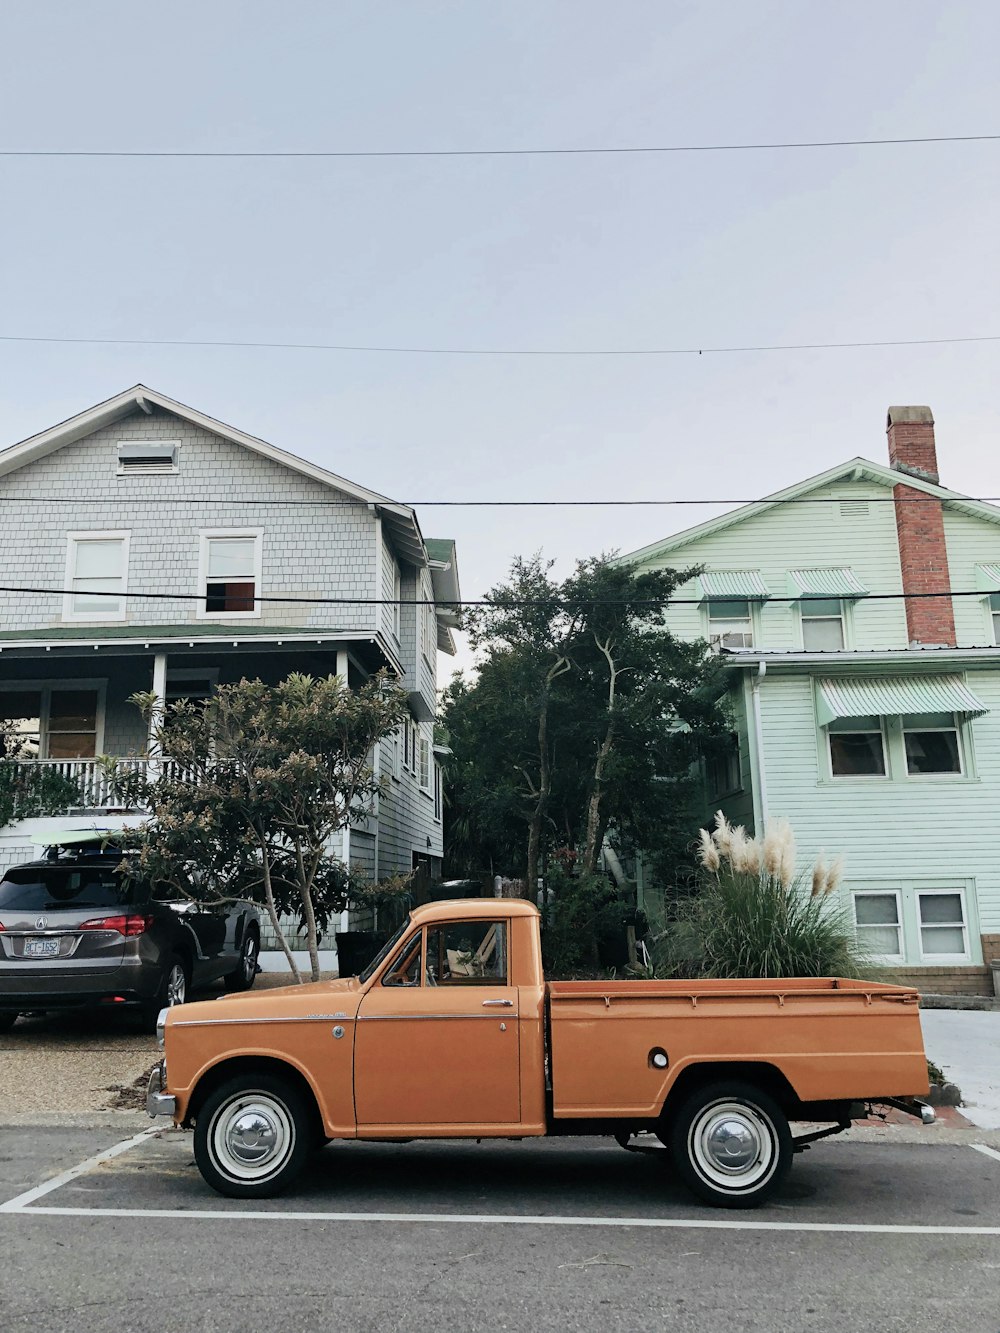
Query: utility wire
{"x":497,"y":604}
{"x":606,"y":151}
{"x":265,"y":502}
{"x":498,"y":351}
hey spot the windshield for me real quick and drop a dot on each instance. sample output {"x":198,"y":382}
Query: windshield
{"x":47,"y":889}
{"x":384,"y":952}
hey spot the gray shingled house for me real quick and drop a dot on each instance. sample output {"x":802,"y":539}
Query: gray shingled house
{"x":141,"y":494}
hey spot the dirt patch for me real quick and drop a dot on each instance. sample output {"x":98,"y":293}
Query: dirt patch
{"x":130,"y":1096}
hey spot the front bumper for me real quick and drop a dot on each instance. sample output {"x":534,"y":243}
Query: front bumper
{"x":159,"y":1102}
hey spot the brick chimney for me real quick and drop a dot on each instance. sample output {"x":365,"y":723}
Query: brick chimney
{"x":923,"y":555}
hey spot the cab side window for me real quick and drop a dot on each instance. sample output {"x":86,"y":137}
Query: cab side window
{"x":467,"y":953}
{"x":406,"y":970}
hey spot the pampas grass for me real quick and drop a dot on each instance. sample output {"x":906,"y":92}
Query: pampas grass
{"x":755,"y":917}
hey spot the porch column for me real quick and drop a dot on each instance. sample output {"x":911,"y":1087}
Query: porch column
{"x":160,"y":690}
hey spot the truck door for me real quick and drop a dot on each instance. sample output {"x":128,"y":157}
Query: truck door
{"x":436,"y":1041}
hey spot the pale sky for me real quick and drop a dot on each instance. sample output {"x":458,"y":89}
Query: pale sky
{"x":713,"y":249}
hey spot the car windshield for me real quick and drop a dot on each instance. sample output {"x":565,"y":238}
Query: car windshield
{"x":384,"y":951}
{"x":49,"y":888}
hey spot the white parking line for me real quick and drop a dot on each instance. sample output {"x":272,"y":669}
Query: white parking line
{"x":18,"y":1204}
{"x":990,"y":1152}
{"x":515,"y":1219}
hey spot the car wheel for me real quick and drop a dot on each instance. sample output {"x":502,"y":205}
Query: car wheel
{"x":730,"y":1143}
{"x":243,"y":976}
{"x":7,"y":1021}
{"x":173,"y":990}
{"x":252,"y":1137}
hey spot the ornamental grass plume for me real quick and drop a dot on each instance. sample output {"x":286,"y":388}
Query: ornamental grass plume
{"x":723,"y":835}
{"x":708,"y":853}
{"x":819,"y":875}
{"x":834,"y":874}
{"x":752,"y":917}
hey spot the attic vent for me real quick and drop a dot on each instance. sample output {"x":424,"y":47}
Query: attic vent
{"x":854,"y":508}
{"x":139,"y":458}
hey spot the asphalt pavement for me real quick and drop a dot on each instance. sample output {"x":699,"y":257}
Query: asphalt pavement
{"x":881,"y":1234}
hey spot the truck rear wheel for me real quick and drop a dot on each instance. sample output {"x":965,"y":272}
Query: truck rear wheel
{"x":730,"y":1143}
{"x":252,"y":1136}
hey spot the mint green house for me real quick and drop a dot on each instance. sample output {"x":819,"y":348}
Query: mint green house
{"x":866,"y":709}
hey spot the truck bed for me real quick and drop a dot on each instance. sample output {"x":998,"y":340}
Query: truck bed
{"x":831,"y":1038}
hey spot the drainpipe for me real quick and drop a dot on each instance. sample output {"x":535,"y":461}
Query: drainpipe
{"x":760,"y":787}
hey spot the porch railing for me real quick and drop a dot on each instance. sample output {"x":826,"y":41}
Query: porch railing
{"x":91,"y":781}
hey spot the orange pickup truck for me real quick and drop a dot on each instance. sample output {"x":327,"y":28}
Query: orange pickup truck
{"x":453,"y":1032}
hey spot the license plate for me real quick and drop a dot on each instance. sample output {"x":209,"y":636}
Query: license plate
{"x":41,"y":948}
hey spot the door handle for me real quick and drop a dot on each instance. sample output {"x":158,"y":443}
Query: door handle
{"x":502,"y":1004}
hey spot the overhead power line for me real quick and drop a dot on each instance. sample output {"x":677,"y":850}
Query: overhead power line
{"x":499,"y":604}
{"x":587,"y":151}
{"x":401,"y":350}
{"x":265,"y":502}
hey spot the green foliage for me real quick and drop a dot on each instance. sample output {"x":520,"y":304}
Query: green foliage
{"x":583,"y":911}
{"x":584,"y":722}
{"x":259,"y":780}
{"x":27,"y":790}
{"x":744,"y":924}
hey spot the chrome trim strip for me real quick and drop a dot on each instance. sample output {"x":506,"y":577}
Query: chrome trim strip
{"x":401,"y":1018}
{"x":218,"y":1022}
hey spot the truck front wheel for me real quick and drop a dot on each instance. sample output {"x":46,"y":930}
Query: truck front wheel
{"x":252,"y":1137}
{"x":730,"y":1143}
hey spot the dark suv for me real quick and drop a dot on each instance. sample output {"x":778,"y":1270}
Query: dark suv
{"x":74,"y":931}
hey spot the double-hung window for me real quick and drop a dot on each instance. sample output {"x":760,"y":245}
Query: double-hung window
{"x":96,"y":576}
{"x":878,"y":923}
{"x":822,"y":624}
{"x":58,"y":721}
{"x":437,"y":790}
{"x":944,"y":931}
{"x":995,"y":616}
{"x":229,"y":574}
{"x":857,"y":747}
{"x":424,"y":763}
{"x":932,"y":743}
{"x":730,"y":623}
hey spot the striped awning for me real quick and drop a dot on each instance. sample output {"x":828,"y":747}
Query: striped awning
{"x":734,"y":583}
{"x":839,"y":582}
{"x":868,"y":696}
{"x":988,"y":578}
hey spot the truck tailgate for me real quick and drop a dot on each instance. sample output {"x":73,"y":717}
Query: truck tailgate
{"x":832,"y":1039}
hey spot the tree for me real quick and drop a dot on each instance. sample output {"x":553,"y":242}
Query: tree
{"x":258,"y":782}
{"x":585,"y":721}
{"x":28,"y":790}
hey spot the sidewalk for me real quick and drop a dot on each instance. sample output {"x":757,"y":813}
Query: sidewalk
{"x":966,"y":1046}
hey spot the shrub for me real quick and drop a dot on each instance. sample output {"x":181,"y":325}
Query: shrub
{"x":755,"y":917}
{"x":583,"y":911}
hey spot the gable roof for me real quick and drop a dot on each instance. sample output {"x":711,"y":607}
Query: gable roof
{"x":855,"y":469}
{"x":400,"y":519}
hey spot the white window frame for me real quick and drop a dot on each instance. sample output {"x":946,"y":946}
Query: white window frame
{"x":397,"y":768}
{"x":894,"y":958}
{"x":423,"y":763}
{"x":956,"y":727}
{"x":437,"y":792}
{"x":942,"y":959}
{"x":205,"y":537}
{"x":73,"y":541}
{"x":804,"y":617}
{"x":861,"y":777}
{"x":751,"y":620}
{"x":992,"y":604}
{"x":45,"y":689}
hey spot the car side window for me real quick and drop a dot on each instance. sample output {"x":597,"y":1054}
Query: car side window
{"x":406,"y":970}
{"x":467,"y":953}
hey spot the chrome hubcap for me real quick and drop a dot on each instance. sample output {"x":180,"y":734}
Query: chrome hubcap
{"x":252,"y":1136}
{"x":733,"y":1146}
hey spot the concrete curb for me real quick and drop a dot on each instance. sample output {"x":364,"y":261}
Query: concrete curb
{"x":985,"y":1002}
